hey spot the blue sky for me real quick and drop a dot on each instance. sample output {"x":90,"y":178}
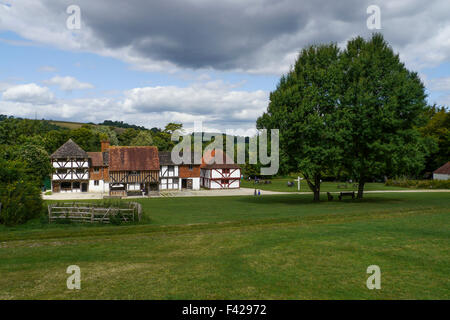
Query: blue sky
{"x":217,"y":63}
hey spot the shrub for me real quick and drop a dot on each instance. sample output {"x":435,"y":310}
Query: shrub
{"x":419,"y":184}
{"x":20,"y":197}
{"x":21,"y":201}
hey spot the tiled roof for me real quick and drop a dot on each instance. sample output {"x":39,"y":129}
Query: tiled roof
{"x":133,"y":158}
{"x":96,"y":159}
{"x":69,"y":150}
{"x":445,"y":169}
{"x":165,"y":158}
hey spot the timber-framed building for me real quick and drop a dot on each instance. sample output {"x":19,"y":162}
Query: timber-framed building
{"x":71,"y":168}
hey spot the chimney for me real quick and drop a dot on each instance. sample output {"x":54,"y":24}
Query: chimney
{"x":105,"y":145}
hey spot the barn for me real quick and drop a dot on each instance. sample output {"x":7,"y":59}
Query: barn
{"x":223,"y":174}
{"x":443,"y":173}
{"x":133,"y":170}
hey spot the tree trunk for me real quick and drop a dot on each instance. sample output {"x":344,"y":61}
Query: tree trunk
{"x":316,"y":195}
{"x":317,"y":188}
{"x":361,"y":188}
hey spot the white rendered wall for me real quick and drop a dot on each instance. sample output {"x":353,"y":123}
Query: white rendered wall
{"x":102,"y":186}
{"x":440,"y":176}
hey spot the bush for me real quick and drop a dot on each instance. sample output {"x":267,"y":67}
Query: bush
{"x":420,"y":184}
{"x":20,"y":196}
{"x":20,"y":201}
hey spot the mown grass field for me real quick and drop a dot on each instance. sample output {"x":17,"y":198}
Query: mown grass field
{"x":280,"y":184}
{"x":269,"y":247}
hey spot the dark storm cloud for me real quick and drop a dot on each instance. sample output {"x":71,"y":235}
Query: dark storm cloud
{"x":217,"y":34}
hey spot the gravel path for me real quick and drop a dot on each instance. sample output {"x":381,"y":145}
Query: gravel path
{"x":210,"y":193}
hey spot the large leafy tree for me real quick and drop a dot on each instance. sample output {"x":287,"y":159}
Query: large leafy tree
{"x":381,"y":104}
{"x":303,"y":107}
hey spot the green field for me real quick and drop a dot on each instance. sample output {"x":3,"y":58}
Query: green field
{"x":279,"y":184}
{"x":269,"y":247}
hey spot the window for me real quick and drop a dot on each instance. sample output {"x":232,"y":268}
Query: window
{"x":226,"y":171}
{"x":224,"y":181}
{"x":134,"y":173}
{"x":96,"y":182}
{"x":96,"y":169}
{"x":191,"y":167}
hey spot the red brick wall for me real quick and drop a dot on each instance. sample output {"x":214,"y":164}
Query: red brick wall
{"x":101,"y":175}
{"x":184,"y":172}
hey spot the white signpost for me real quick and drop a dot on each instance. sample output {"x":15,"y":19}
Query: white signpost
{"x":298,"y":181}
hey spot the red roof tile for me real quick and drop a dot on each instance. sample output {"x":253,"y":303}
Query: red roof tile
{"x":445,"y":169}
{"x":133,"y":158}
{"x":96,"y":159}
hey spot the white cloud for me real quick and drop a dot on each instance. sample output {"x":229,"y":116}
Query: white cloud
{"x":68,"y":83}
{"x":214,"y":100}
{"x":439,"y":84}
{"x":28,"y":93}
{"x":219,"y":105}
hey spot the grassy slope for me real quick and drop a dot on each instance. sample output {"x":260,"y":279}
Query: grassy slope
{"x":269,"y":247}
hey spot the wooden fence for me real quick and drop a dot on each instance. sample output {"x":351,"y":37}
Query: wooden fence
{"x":92,"y":213}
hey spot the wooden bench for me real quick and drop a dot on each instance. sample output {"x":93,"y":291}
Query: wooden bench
{"x":347,"y":193}
{"x":330,"y":197}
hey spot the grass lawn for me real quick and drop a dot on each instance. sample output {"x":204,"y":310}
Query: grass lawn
{"x":270,"y":247}
{"x":280,"y":184}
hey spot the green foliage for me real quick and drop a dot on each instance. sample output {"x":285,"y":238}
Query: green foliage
{"x":354,"y":112}
{"x":127,"y":136}
{"x":86,"y":138}
{"x":172,"y":127}
{"x":382,"y":103}
{"x":143,"y":138}
{"x":106,"y":133}
{"x":419,"y":184}
{"x":121,"y":124}
{"x":303,"y":108}
{"x":437,"y":131}
{"x":20,"y":197}
{"x":37,"y":161}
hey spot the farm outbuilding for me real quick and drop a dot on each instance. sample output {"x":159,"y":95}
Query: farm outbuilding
{"x":443,"y":173}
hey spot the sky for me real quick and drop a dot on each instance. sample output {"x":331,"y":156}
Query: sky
{"x":153,"y":62}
